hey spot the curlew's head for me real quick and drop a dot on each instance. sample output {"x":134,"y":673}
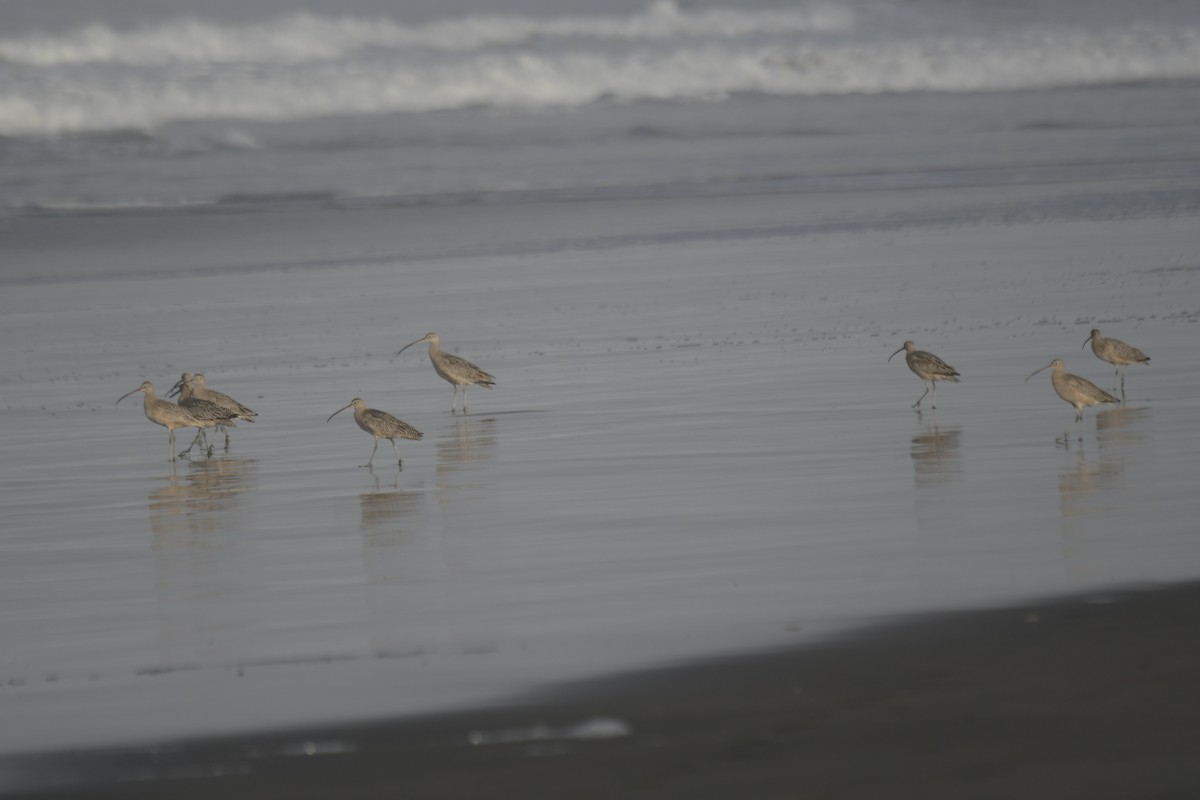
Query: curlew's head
{"x":198,"y":380}
{"x":430,"y":337}
{"x":184,"y":379}
{"x":357,"y":404}
{"x":1056,"y":365}
{"x":907,"y":347}
{"x":146,"y":387}
{"x":1095,"y":334}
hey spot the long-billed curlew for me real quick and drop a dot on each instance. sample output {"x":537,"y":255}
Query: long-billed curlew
{"x":1079,"y":392}
{"x":458,"y":371}
{"x":192,"y":387}
{"x":183,"y":390}
{"x":167,"y":414}
{"x":224,"y":401}
{"x":380,"y":425}
{"x":208,"y":412}
{"x":929,"y":368}
{"x":182,"y":385}
{"x":1117,"y":353}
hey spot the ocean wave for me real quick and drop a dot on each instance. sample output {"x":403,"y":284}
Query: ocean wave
{"x":82,"y":99}
{"x":303,"y":38}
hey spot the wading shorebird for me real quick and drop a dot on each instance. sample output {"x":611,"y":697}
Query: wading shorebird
{"x":929,"y":368}
{"x":458,"y":371}
{"x":190,"y":385}
{"x":1079,"y":392}
{"x":183,"y":390}
{"x":167,"y":414}
{"x":380,"y":425}
{"x":1117,"y":353}
{"x":210,"y":413}
{"x":223,"y":401}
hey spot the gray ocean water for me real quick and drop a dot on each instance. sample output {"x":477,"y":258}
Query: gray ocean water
{"x":685,"y":239}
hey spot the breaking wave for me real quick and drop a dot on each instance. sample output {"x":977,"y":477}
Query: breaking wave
{"x":306,"y":67}
{"x":302,"y":38}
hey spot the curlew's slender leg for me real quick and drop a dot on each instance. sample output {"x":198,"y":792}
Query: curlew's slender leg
{"x":371,"y":460}
{"x":922,"y":397}
{"x":453,"y":397}
{"x":1122,"y":388}
{"x":171,"y":449}
{"x":933,"y":403}
{"x":464,"y":391}
{"x":399,"y":461}
{"x":199,"y":431}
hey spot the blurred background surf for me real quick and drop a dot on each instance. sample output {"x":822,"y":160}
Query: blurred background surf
{"x":117,"y":103}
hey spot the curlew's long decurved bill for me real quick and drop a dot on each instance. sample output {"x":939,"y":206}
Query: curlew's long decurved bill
{"x":424,"y":338}
{"x":122,"y":397}
{"x":1036,"y":371}
{"x":340,"y":410}
{"x":901,"y":350}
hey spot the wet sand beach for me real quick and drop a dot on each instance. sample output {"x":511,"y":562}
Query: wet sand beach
{"x":1092,"y":696}
{"x":696,"y":447}
{"x":697,"y":529}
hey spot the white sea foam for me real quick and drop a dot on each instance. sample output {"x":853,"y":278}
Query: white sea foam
{"x":302,"y":38}
{"x":306,"y":66}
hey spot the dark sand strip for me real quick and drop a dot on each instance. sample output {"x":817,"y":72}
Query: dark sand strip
{"x":1089,"y":697}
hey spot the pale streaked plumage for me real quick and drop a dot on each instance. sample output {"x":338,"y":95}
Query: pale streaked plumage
{"x":167,"y":414}
{"x":212,"y":414}
{"x":238,"y":410}
{"x":183,"y":389}
{"x":1077,"y":391}
{"x":381,"y":425}
{"x":458,"y":371}
{"x":223,"y":401}
{"x":1115,"y":352}
{"x":193,"y":393}
{"x":929,"y":368}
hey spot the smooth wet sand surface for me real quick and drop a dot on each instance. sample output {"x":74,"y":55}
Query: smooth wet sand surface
{"x":1089,"y":697}
{"x":693,"y":449}
{"x":695,"y":543}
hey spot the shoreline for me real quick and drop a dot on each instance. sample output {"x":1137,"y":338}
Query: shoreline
{"x":1085,"y":696}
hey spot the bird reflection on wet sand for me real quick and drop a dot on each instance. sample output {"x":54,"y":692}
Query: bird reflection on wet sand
{"x":462,"y":449}
{"x":468,"y":442}
{"x":383,"y":509}
{"x":196,"y":497}
{"x":935,"y":454}
{"x":1122,"y":425}
{"x":1093,"y":484}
